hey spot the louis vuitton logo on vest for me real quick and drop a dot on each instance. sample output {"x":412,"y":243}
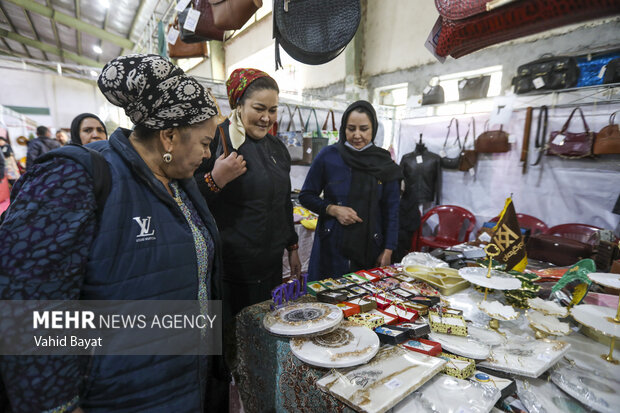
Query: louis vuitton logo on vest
{"x":145,"y":229}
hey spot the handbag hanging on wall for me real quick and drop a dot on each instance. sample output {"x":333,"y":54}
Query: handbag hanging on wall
{"x":469,"y":157}
{"x":547,"y":73}
{"x":571,"y":145}
{"x":293,"y":139}
{"x":450,"y":155}
{"x":205,"y":28}
{"x":233,"y":14}
{"x":493,"y":141}
{"x":180,"y":49}
{"x":433,"y":94}
{"x":474,"y":88}
{"x":607,"y":141}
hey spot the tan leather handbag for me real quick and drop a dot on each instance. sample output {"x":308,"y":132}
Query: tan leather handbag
{"x":233,"y":14}
{"x":182,"y":49}
{"x":608,"y":139}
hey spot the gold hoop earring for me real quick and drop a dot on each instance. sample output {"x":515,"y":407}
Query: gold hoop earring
{"x":167,"y":157}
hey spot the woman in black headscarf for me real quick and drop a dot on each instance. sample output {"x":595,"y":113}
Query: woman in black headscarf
{"x":358,"y":214}
{"x":87,"y":128}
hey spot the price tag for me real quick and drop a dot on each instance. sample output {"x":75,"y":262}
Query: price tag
{"x":192,"y":20}
{"x":393,"y":384}
{"x":472,"y":171}
{"x":462,"y":83}
{"x":172,"y":36}
{"x":181,"y":5}
{"x":559,"y":139}
{"x":512,"y":139}
{"x":602,"y":72}
{"x":309,"y":150}
{"x":419,"y":159}
{"x":443,"y":153}
{"x":485,"y":237}
{"x":538,"y":82}
{"x":428,"y":89}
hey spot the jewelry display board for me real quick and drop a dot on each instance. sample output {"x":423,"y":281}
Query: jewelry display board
{"x":600,"y":394}
{"x":463,"y":346}
{"x":540,"y":396}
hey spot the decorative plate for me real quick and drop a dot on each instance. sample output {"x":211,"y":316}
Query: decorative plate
{"x":303,"y":319}
{"x":348,"y":345}
{"x":598,"y":318}
{"x":594,"y":391}
{"x":499,"y":311}
{"x":606,"y":279}
{"x":547,"y":324}
{"x":498,"y":281}
{"x":526,"y":357}
{"x":380,"y":384}
{"x":463,"y":346}
{"x":547,"y":307}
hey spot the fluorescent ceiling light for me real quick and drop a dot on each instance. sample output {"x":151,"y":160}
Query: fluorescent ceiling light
{"x":94,"y":73}
{"x":97,"y":49}
{"x":105,"y":3}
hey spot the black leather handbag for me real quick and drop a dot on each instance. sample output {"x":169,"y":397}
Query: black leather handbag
{"x":612,"y":72}
{"x":314,"y":32}
{"x":433,"y":95}
{"x":474,"y":88}
{"x":547,"y":73}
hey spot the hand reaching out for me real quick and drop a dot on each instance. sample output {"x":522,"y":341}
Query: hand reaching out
{"x":344,"y":215}
{"x":228,"y":168}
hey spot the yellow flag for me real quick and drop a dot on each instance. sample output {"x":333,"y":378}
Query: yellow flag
{"x":507,"y":236}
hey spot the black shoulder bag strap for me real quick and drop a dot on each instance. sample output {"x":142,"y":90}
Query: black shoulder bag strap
{"x":541,"y":133}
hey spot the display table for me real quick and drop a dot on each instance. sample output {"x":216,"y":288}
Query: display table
{"x":269,"y":377}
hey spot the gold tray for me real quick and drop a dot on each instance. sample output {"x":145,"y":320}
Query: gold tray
{"x":446,"y":280}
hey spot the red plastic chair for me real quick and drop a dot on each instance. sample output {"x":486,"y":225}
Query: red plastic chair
{"x":453,"y":220}
{"x":535,"y":225}
{"x":579,"y":232}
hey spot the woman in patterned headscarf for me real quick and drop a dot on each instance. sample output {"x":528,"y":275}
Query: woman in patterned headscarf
{"x":254,"y":212}
{"x":124,"y":221}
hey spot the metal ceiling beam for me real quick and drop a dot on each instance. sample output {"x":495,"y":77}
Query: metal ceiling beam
{"x":78,"y":35}
{"x":73,"y":22}
{"x":134,"y":20}
{"x":49,"y":48}
{"x":6,"y":16}
{"x":56,"y":36}
{"x":34,"y":30}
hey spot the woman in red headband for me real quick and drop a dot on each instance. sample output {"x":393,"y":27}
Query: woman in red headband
{"x":247,"y":186}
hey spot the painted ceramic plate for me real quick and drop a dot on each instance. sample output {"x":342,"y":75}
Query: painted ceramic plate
{"x":463,"y":346}
{"x":594,"y":391}
{"x":303,"y":319}
{"x":498,"y":281}
{"x":348,"y":345}
{"x":606,"y":279}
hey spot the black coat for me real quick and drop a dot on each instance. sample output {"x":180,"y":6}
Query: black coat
{"x":254,"y":212}
{"x":39,"y":146}
{"x":422,"y":179}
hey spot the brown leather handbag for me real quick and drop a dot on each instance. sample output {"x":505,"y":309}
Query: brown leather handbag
{"x":571,"y":145}
{"x":492,"y":141}
{"x":469,"y":157}
{"x":182,"y":50}
{"x":206,"y":27}
{"x":608,"y":139}
{"x":233,"y":14}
